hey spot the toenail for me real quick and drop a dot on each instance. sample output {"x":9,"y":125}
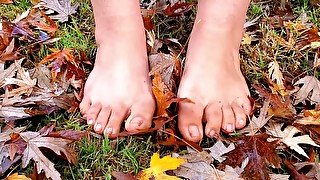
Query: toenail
{"x":194,"y":131}
{"x":229,"y":127}
{"x":97,"y":127}
{"x":241,"y":122}
{"x":90,"y":121}
{"x":137,"y":121}
{"x":212,"y":133}
{"x":109,"y":131}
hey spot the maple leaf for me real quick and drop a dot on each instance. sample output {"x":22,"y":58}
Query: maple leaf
{"x":34,"y":140}
{"x":62,"y":7}
{"x":159,"y":165}
{"x":310,"y":90}
{"x":164,"y":98}
{"x":260,"y":152}
{"x":17,"y":176}
{"x":287,"y":136}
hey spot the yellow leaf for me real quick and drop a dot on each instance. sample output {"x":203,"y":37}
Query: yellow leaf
{"x":158,"y":166}
{"x":16,"y":176}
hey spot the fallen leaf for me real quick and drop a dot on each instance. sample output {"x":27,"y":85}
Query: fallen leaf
{"x":159,"y":165}
{"x":314,"y":170}
{"x":309,"y":117}
{"x":275,"y":74}
{"x":34,"y":141}
{"x":219,"y":149}
{"x":16,"y":176}
{"x":288,"y":137}
{"x":62,"y":7}
{"x":6,"y":1}
{"x":260,"y":152}
{"x":279,"y":177}
{"x":122,"y":176}
{"x":310,"y":90}
{"x":280,"y":106}
{"x":257,"y":123}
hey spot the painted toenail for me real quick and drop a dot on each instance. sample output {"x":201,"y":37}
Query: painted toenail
{"x":241,"y":122}
{"x":137,"y":121}
{"x":194,"y":131}
{"x":90,"y":121}
{"x":229,"y":127}
{"x":97,"y":127}
{"x":109,"y":131}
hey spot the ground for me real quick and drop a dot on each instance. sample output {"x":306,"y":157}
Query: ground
{"x":98,"y":157}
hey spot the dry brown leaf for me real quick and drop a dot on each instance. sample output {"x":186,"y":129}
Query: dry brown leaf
{"x":34,"y":141}
{"x":256,"y":123}
{"x":219,"y":149}
{"x":275,"y":74}
{"x":62,"y":7}
{"x":310,"y":90}
{"x":6,"y":1}
{"x":288,"y":137}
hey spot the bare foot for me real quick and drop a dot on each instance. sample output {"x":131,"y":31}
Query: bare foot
{"x":119,"y":88}
{"x":214,"y":82}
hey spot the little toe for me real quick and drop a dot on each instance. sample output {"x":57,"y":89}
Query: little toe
{"x":240,"y":115}
{"x":228,"y":122}
{"x":114,"y":124}
{"x":213,"y":116}
{"x":102,"y":119}
{"x":93,"y":112}
{"x":84,"y":106}
{"x":140,"y":116}
{"x":190,"y":121}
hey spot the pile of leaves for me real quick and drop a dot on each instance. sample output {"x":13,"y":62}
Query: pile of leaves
{"x":33,"y":87}
{"x":281,"y":140}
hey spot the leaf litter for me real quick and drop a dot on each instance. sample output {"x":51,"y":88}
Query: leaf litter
{"x":287,"y":122}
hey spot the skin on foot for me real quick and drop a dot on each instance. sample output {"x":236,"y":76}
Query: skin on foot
{"x":213,"y":81}
{"x":118,"y":88}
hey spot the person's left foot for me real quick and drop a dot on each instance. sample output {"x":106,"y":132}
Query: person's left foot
{"x":213,"y":81}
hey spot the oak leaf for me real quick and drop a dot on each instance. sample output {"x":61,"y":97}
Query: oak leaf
{"x":256,"y":123}
{"x":219,"y":149}
{"x":34,"y":141}
{"x":310,"y":90}
{"x":158,"y":166}
{"x":288,"y":137}
{"x":275,"y":74}
{"x":260,"y":152}
{"x":64,"y":8}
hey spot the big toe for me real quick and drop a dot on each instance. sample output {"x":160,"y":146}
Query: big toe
{"x":140,"y":116}
{"x":213,"y":117}
{"x":84,"y":106}
{"x":190,"y":121}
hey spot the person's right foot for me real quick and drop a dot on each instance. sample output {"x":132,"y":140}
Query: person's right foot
{"x":119,"y":88}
